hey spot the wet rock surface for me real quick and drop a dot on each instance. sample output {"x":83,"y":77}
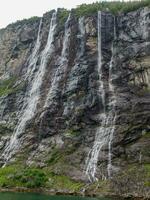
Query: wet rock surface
{"x":61,"y":134}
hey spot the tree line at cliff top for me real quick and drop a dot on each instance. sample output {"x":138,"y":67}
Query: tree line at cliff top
{"x":115,"y":7}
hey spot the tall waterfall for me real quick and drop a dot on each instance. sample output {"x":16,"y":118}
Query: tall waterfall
{"x":34,"y":56}
{"x":101,"y":83}
{"x":30,"y":104}
{"x":104,"y":133}
{"x":63,"y":63}
{"x":112,"y":107}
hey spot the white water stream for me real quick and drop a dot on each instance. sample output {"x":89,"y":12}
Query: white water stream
{"x":32,"y":98}
{"x":105,"y":132}
{"x":63,"y":63}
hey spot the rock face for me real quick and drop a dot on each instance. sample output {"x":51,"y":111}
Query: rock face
{"x":52,"y":92}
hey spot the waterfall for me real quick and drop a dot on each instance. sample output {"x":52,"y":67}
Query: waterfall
{"x":34,"y":56}
{"x":104,"y":133}
{"x":30,"y":104}
{"x":101,"y":83}
{"x":112,"y":108}
{"x":63,"y":63}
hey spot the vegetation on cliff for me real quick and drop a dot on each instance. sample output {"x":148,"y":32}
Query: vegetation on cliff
{"x":115,"y":7}
{"x":30,"y":177}
{"x":9,"y":86}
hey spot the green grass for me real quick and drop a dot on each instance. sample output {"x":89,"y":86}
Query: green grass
{"x":19,"y":176}
{"x":16,"y":176}
{"x":147,"y":169}
{"x":63,"y":182}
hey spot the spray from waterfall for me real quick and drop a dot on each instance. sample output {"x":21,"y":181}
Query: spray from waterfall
{"x":63,"y":63}
{"x":105,"y":132}
{"x":32,"y":97}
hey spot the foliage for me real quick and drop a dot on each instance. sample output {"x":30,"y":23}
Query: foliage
{"x":63,"y":182}
{"x":62,"y":15}
{"x":8,"y":86}
{"x":31,"y":20}
{"x":5,"y":128}
{"x":114,"y":6}
{"x":71,"y":133}
{"x":31,"y":178}
{"x":19,"y":176}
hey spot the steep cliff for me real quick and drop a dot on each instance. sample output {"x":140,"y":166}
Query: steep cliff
{"x":75,"y":99}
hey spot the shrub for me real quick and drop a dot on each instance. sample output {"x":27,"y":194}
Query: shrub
{"x":114,"y":6}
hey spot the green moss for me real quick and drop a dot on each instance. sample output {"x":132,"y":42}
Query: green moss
{"x":4,"y":129}
{"x":63,"y":182}
{"x":8,"y":86}
{"x":146,"y":135}
{"x":147,"y":169}
{"x":58,"y":156}
{"x":71,"y":133}
{"x":55,"y":156}
{"x":147,"y":184}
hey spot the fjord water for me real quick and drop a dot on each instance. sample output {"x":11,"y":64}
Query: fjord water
{"x":26,"y":196}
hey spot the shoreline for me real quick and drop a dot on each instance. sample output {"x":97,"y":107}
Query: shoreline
{"x":53,"y":192}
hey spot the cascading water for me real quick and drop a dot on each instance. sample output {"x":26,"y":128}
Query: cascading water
{"x":33,"y":95}
{"x":34,"y":56}
{"x":101,"y":83}
{"x":112,"y":107}
{"x":104,"y":133}
{"x":63,"y":63}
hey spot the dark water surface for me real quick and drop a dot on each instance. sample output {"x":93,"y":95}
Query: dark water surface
{"x":28,"y":196}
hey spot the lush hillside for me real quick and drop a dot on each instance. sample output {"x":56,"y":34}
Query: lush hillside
{"x":115,"y":7}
